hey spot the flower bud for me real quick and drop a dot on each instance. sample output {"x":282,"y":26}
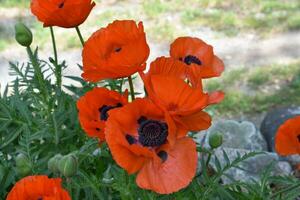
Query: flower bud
{"x":23,"y":165}
{"x":23,"y":34}
{"x":215,"y":140}
{"x":68,"y":165}
{"x":53,"y":163}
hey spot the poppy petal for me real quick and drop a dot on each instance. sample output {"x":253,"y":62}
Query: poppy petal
{"x":91,"y":116}
{"x":167,"y":66}
{"x":176,"y":95}
{"x":116,"y":51}
{"x":36,"y":187}
{"x":67,"y":14}
{"x":195,"y":122}
{"x":173,"y":174}
{"x":287,"y":140}
{"x":216,"y":97}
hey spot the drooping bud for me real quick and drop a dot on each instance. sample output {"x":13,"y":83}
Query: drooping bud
{"x":53,"y":163}
{"x":215,"y":140}
{"x":23,"y":34}
{"x":23,"y":165}
{"x":68,"y":165}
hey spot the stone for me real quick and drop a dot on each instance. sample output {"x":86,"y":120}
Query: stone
{"x":239,"y":135}
{"x":253,"y":167}
{"x":272,"y":122}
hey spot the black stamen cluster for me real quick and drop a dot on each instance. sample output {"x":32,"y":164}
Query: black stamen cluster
{"x":152,"y":133}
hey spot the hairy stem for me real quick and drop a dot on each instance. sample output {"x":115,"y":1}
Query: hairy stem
{"x":131,"y":88}
{"x":79,"y":35}
{"x":57,"y":66}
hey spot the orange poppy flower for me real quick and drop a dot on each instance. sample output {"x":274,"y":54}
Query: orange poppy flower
{"x":117,"y":51}
{"x":62,"y":13}
{"x":198,"y":57}
{"x":287,"y":140}
{"x":93,"y":110}
{"x":172,"y":67}
{"x":138,"y":137}
{"x":182,"y":102}
{"x":38,"y":187}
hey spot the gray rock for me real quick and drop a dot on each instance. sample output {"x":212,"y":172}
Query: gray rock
{"x":273,"y":120}
{"x":239,"y":135}
{"x":253,"y":167}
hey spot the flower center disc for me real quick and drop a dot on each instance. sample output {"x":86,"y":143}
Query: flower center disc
{"x":152,"y":133}
{"x":298,"y":138}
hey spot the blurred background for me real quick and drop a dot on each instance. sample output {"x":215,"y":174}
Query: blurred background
{"x":259,"y":41}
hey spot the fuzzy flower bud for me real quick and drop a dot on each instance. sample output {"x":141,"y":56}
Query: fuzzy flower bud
{"x":23,"y":34}
{"x":53,"y":163}
{"x":68,"y":165}
{"x":23,"y":165}
{"x":215,"y":140}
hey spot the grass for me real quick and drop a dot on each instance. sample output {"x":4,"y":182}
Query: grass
{"x":165,"y":20}
{"x":14,"y":3}
{"x":255,"y":90}
{"x":232,"y":16}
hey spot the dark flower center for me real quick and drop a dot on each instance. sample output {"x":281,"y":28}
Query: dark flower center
{"x":40,"y":198}
{"x":298,"y":137}
{"x":104,"y":109}
{"x":191,"y":59}
{"x":61,"y":5}
{"x":152,"y":133}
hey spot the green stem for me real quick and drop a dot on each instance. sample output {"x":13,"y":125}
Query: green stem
{"x":208,"y":159}
{"x":131,"y":88}
{"x":53,"y":44}
{"x":57,"y":67}
{"x":79,"y":35}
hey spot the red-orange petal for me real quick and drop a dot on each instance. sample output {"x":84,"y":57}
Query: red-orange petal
{"x":195,"y":122}
{"x":216,"y":97}
{"x":175,"y":173}
{"x":287,"y":140}
{"x":89,"y":105}
{"x":123,"y":122}
{"x":204,"y":63}
{"x":40,"y":186}
{"x":169,"y":67}
{"x":116,"y":51}
{"x":175,"y":95}
{"x":66,"y":14}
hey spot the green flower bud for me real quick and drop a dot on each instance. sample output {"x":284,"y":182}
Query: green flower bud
{"x":215,"y":140}
{"x":23,"y":165}
{"x":23,"y":34}
{"x":68,"y":165}
{"x":53,"y":163}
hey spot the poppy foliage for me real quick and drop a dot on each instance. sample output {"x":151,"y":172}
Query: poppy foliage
{"x":38,"y":187}
{"x":62,"y":13}
{"x":149,"y":136}
{"x":287,"y":140}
